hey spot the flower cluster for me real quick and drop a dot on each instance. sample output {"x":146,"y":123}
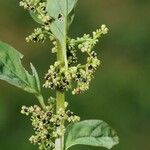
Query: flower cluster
{"x":47,"y":124}
{"x":37,"y":36}
{"x":87,"y":42}
{"x":84,"y":74}
{"x":71,"y":53}
{"x":57,"y":77}
{"x":55,"y":44}
{"x":81,"y":74}
{"x":29,"y":4}
{"x":37,"y":9}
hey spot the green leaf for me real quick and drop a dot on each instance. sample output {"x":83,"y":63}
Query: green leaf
{"x":34,"y":15}
{"x":63,"y":13}
{"x":92,"y":133}
{"x":12,"y":71}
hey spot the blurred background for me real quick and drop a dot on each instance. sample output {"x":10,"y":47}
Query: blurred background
{"x":120,"y":92}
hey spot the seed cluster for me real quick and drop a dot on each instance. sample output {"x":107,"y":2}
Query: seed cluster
{"x":77,"y":76}
{"x":48,"y":125}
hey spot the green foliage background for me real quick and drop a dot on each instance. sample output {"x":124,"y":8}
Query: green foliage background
{"x":119,"y":93}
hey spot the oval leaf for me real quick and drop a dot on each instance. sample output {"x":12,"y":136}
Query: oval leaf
{"x":62,"y":12}
{"x":12,"y":71}
{"x":92,"y":133}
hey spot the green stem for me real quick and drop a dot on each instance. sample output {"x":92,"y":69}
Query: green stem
{"x":60,"y":103}
{"x":62,"y":58}
{"x":60,"y":95}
